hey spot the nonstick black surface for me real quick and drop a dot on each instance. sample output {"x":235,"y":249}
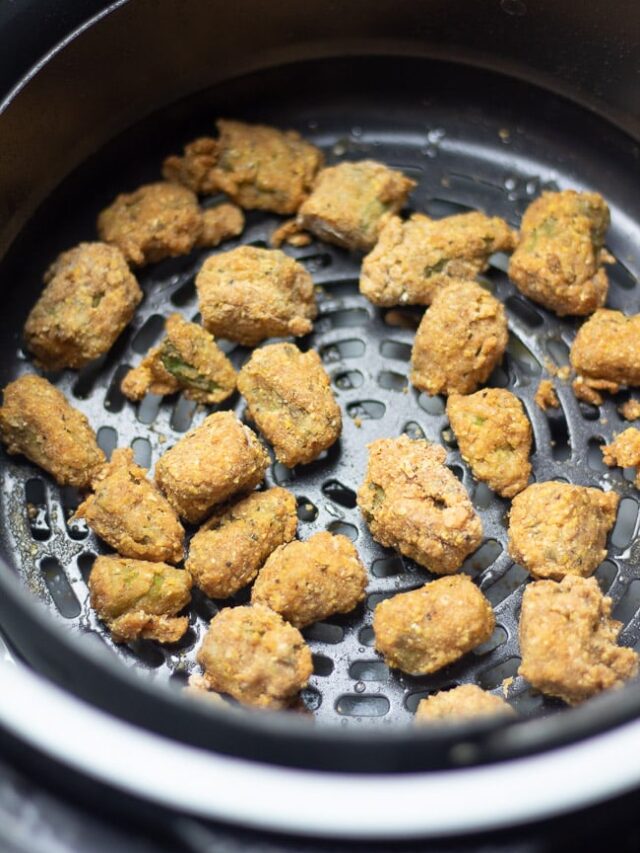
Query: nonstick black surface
{"x":472,"y":141}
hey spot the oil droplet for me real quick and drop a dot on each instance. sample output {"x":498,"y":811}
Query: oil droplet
{"x":360,"y":687}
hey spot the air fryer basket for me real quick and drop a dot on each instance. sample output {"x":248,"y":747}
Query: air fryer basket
{"x":472,"y":139}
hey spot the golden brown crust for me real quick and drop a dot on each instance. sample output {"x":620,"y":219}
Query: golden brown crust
{"x":252,"y":654}
{"x":220,"y":223}
{"x":546,"y":396}
{"x":212,"y":463}
{"x":130,"y":514}
{"x":630,"y":410}
{"x":423,"y":630}
{"x":605,"y":354}
{"x":461,"y":703}
{"x":188,"y":360}
{"x":460,"y":340}
{"x":194,"y":168}
{"x":494,"y":437}
{"x":37,"y":421}
{"x":351,"y":202}
{"x":89,"y":298}
{"x":249,"y":294}
{"x":414,"y":259}
{"x":311,"y":580}
{"x":139,"y":600}
{"x":154,"y":222}
{"x":290,"y":400}
{"x":624,"y":451}
{"x":568,"y":640}
{"x":557,"y":529}
{"x":412,"y":502}
{"x":230,"y":548}
{"x":558,"y":261}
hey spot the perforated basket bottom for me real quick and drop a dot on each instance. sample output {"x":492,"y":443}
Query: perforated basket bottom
{"x":463,"y":157}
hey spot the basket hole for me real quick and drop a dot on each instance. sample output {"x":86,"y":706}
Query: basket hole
{"x":316,"y":262}
{"x":147,"y":653}
{"x":493,"y":677}
{"x":85,"y":564}
{"x":605,"y":575}
{"x":311,"y":698}
{"x":107,"y":440}
{"x":625,"y":523}
{"x":500,"y":376}
{"x":351,"y":348}
{"x":141,"y":452}
{"x":522,"y":357}
{"x":366,"y":410}
{"x":560,"y":443}
{"x":395,"y":350}
{"x":114,"y":399}
{"x":482,"y":496}
{"x":497,"y":639}
{"x":588,"y":412}
{"x":347,"y":380}
{"x":403,"y":318}
{"x":369,"y":670}
{"x":594,"y":454}
{"x":37,"y":510}
{"x":322,"y":665}
{"x":374,"y":599}
{"x":387,"y":567}
{"x":524,"y":312}
{"x":457,"y":471}
{"x":148,"y":409}
{"x":307,"y":511}
{"x":413,"y":430}
{"x":628,"y":605}
{"x":439,"y":208}
{"x":391,"y":381}
{"x":484,"y":557}
{"x":182,"y":414}
{"x":343,"y":529}
{"x":513,"y":578}
{"x":366,"y":636}
{"x":413,"y":699}
{"x":433,"y":405}
{"x":340,"y":494}
{"x":343,"y":318}
{"x":351,"y":705}
{"x":324,"y":632}
{"x":148,"y":334}
{"x":184,"y":294}
{"x":70,"y":498}
{"x":59,"y":588}
{"x":281,"y":474}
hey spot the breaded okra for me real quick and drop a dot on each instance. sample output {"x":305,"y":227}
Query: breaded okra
{"x":460,"y":704}
{"x":250,"y":294}
{"x":413,"y":502}
{"x":252,"y":654}
{"x":460,"y":340}
{"x":605,"y":354}
{"x":230,"y":548}
{"x":351,"y":202}
{"x":188,"y":360}
{"x":309,"y":581}
{"x":37,"y":421}
{"x":220,"y":223}
{"x":130,"y":514}
{"x":559,"y":257}
{"x":212,"y":463}
{"x":259,"y":167}
{"x":494,"y":437}
{"x":139,"y":600}
{"x":624,"y":451}
{"x":289,"y":398}
{"x":89,"y":298}
{"x":557,"y":529}
{"x":568,"y":640}
{"x":423,"y":630}
{"x":413,"y":260}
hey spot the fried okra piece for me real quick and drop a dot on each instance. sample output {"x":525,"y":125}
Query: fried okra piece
{"x":558,"y":260}
{"x":624,"y":451}
{"x":89,"y":298}
{"x":37,"y":421}
{"x":289,"y":398}
{"x":188,"y":360}
{"x":129,"y":513}
{"x":154,"y":222}
{"x":308,"y":581}
{"x":252,"y":654}
{"x":351,"y":202}
{"x":415,"y":259}
{"x":460,"y":704}
{"x":230,"y":548}
{"x":139,"y":600}
{"x":460,"y":340}
{"x":557,"y":529}
{"x":546,"y":396}
{"x":250,"y":294}
{"x":220,"y":223}
{"x":605,"y":354}
{"x":259,"y":167}
{"x":423,"y":630}
{"x":494,"y":437}
{"x":630,"y":410}
{"x":413,"y":502}
{"x":212,"y":463}
{"x":568,"y":641}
